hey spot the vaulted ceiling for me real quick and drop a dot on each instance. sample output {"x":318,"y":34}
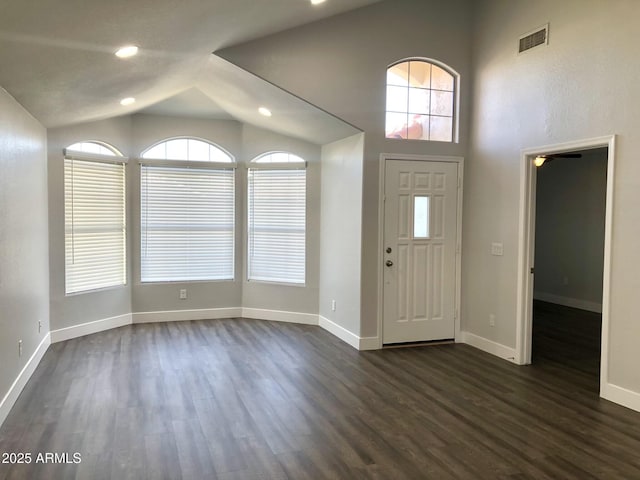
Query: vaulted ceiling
{"x":57,"y":59}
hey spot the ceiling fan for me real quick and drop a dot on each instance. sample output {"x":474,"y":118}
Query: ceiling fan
{"x":541,"y":159}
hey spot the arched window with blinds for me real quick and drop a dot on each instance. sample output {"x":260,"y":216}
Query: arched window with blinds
{"x":187,"y":212}
{"x":277,"y":218}
{"x":94,"y":217}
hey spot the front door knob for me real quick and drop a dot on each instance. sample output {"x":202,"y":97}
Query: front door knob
{"x":388,"y":263}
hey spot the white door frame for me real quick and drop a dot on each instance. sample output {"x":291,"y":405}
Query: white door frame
{"x":384,"y":157}
{"x":526,"y":247}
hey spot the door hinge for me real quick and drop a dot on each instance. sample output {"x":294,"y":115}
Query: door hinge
{"x":533,"y":270}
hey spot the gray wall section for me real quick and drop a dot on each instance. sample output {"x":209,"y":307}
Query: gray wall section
{"x":24,"y":251}
{"x":570,"y":213}
{"x":579,"y":86}
{"x":71,"y":310}
{"x":340,"y":232}
{"x":339,"y":64}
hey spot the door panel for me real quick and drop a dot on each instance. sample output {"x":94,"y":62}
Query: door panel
{"x":420,"y":228}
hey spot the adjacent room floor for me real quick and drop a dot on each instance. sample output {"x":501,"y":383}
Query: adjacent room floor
{"x":245,"y":399}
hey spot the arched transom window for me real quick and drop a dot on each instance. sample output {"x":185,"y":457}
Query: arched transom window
{"x":94,"y":148}
{"x":190,"y":149}
{"x":278,"y":157}
{"x":421,"y":100}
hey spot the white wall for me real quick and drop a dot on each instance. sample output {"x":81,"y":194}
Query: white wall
{"x":339,"y":64}
{"x":582,"y":85}
{"x":570,"y":212}
{"x":24,"y":251}
{"x":340,"y":232}
{"x":71,"y":310}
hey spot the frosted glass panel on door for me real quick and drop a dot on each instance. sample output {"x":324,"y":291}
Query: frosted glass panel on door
{"x":421,"y":217}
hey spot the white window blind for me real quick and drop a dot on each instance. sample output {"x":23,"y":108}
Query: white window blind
{"x":95,"y":226}
{"x":187,"y":223}
{"x":277,"y":218}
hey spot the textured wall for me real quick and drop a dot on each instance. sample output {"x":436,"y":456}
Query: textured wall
{"x":340,"y":245}
{"x":582,"y":85}
{"x":24,"y":251}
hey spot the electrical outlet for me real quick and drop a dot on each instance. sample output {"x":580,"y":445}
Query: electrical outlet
{"x":333,"y":305}
{"x":497,"y":249}
{"x":183,"y":294}
{"x":492,"y":320}
{"x":19,"y":348}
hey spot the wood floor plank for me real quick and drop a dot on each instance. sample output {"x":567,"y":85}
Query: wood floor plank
{"x":248,"y":399}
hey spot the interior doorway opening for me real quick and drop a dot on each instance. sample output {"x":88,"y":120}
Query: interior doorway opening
{"x":570,"y":209}
{"x":526,"y":247}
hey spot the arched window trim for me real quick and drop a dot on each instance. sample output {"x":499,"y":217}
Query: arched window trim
{"x":299,"y":164}
{"x":456,"y":94}
{"x":199,"y":163}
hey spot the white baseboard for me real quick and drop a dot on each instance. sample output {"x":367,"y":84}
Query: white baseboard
{"x":23,"y":377}
{"x":366,"y":343}
{"x":280,"y":316}
{"x":340,"y":332}
{"x":359,"y":343}
{"x":88,"y":328}
{"x":568,"y":302}
{"x":489,"y":346}
{"x":186,"y":315}
{"x":622,"y":396}
{"x":369,"y":343}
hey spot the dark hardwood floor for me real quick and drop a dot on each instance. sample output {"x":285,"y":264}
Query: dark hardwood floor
{"x":244,"y":399}
{"x":567,"y":338}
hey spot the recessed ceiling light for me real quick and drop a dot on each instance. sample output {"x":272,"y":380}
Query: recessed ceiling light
{"x":264,"y":111}
{"x":317,"y":2}
{"x":127,"y":101}
{"x":127,"y":51}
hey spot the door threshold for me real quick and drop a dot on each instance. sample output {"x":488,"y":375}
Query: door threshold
{"x":418,"y":344}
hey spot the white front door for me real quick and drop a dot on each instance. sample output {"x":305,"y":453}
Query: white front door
{"x":420,"y":238}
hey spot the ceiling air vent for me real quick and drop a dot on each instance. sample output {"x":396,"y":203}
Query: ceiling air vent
{"x":540,"y":36}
